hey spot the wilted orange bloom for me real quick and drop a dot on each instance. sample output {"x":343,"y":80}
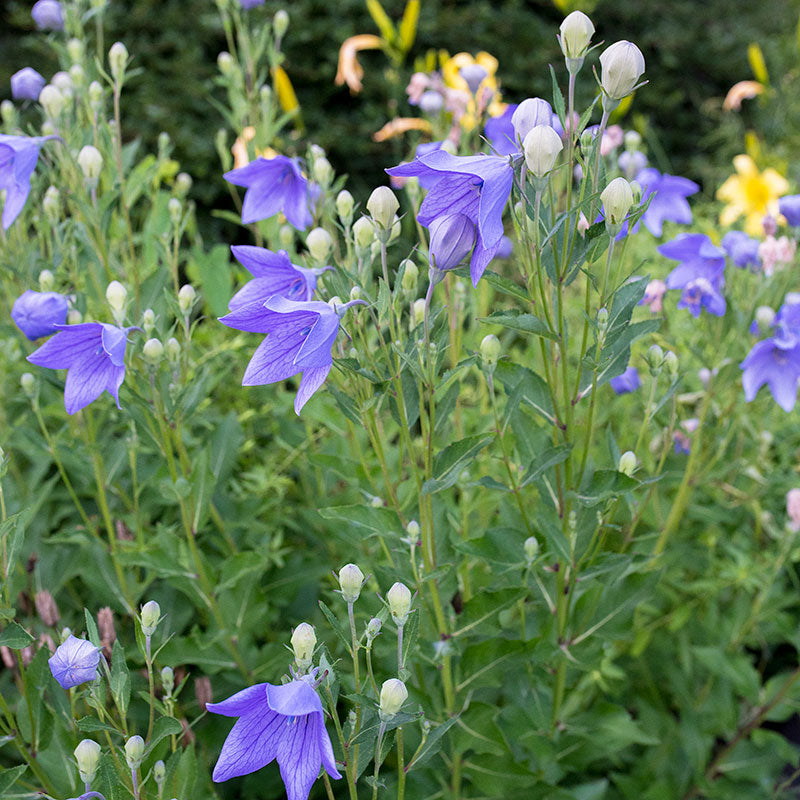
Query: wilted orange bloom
{"x":349,"y":70}
{"x":400,"y":125}
{"x":241,"y":158}
{"x":744,"y":90}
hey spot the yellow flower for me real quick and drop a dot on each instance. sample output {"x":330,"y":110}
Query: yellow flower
{"x":751,"y":194}
{"x":452,"y":79}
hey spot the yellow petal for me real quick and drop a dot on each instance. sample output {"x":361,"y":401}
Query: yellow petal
{"x":731,"y":190}
{"x":777,"y":184}
{"x":754,"y":224}
{"x":487,"y":61}
{"x":730,"y":214}
{"x":745,"y":166}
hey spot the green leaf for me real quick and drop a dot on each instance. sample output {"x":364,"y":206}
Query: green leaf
{"x":165,"y":726}
{"x":483,"y":606}
{"x":407,"y":31}
{"x":604,"y":484}
{"x":120,"y":678}
{"x":375,"y":520}
{"x":8,"y":777}
{"x":93,"y":725}
{"x":212,"y":270}
{"x":433,"y":744}
{"x":381,"y":19}
{"x":455,"y":457}
{"x":558,"y":100}
{"x":91,"y":629}
{"x":529,"y":387}
{"x":346,"y":404}
{"x":499,"y":282}
{"x":15,"y":637}
{"x":519,"y":321}
{"x":338,"y":628}
{"x":546,"y":459}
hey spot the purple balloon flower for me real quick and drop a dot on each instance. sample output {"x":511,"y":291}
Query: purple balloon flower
{"x":48,"y":15}
{"x":627,"y":382}
{"x":18,"y":156}
{"x":669,"y":199}
{"x":276,"y":722}
{"x":273,"y":185}
{"x":38,"y":313}
{"x":701,"y":273}
{"x":300,"y":338}
{"x":789,"y":206}
{"x":500,"y":132}
{"x":273,"y":273}
{"x":94,"y":355}
{"x":248,"y":4}
{"x":778,"y":367}
{"x":476,"y":186}
{"x":452,"y":240}
{"x":74,"y":662}
{"x":27,"y":84}
{"x":742,"y":249}
{"x":506,"y":248}
{"x":529,"y":113}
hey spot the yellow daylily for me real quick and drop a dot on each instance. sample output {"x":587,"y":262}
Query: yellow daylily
{"x":751,"y":194}
{"x":451,"y":76}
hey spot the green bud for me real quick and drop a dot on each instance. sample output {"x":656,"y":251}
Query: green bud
{"x":87,"y":756}
{"x":183,"y":184}
{"x":412,"y":529}
{"x":355,"y":293}
{"x":8,"y":113}
{"x":363,"y":233}
{"x":351,"y":579}
{"x":153,"y":351}
{"x":159,"y":772}
{"x":627,"y":463}
{"x":46,"y":281}
{"x":168,"y":679}
{"x":226,"y":63}
{"x":52,"y":101}
{"x":322,"y":171}
{"x":319,"y":244}
{"x":118,"y":61}
{"x":399,"y":600}
{"x":393,"y":695}
{"x":134,"y":751}
{"x":186,"y":297}
{"x":344,"y":206}
{"x":150,"y":616}
{"x":304,"y":640}
{"x":77,"y":75}
{"x":382,"y":206}
{"x":28,"y":384}
{"x":373,"y":629}
{"x":671,"y":364}
{"x":286,"y":237}
{"x":655,"y":359}
{"x":75,"y":50}
{"x":617,"y":199}
{"x":52,"y":204}
{"x":410,"y":276}
{"x":531,"y":548}
{"x":175,"y":208}
{"x":280,"y":23}
{"x":148,"y":320}
{"x":173,"y":349}
{"x":90,"y":160}
{"x":490,"y":351}
{"x":95,"y":96}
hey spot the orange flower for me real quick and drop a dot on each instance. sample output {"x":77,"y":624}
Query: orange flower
{"x":744,"y":90}
{"x":401,"y":125}
{"x":349,"y":70}
{"x":241,"y":158}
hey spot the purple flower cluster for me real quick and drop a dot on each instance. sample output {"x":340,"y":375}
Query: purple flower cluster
{"x":700,"y":273}
{"x":776,"y":361}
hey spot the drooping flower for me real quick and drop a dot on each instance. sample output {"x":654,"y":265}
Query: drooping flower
{"x":18,"y":156}
{"x":26,"y":84}
{"x":300,"y":337}
{"x":776,"y":366}
{"x":476,"y":186}
{"x":789,"y":207}
{"x":273,"y":274}
{"x":48,"y":15}
{"x":74,"y":662}
{"x":743,"y":90}
{"x":93,"y":353}
{"x":751,"y":194}
{"x":654,"y":295}
{"x":276,"y":722}
{"x":742,"y":249}
{"x":349,"y":71}
{"x":700,"y":273}
{"x":452,"y":240}
{"x":38,"y":314}
{"x":627,"y":382}
{"x":273,"y":185}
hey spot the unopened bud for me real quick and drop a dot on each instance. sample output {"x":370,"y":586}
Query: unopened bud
{"x":304,"y":640}
{"x":412,"y":529}
{"x":63,"y":82}
{"x":134,"y":751}
{"x":153,"y":351}
{"x":159,"y":773}
{"x":28,"y":384}
{"x":95,"y":95}
{"x":225,"y":62}
{"x":116,"y":294}
{"x":382,"y":206}
{"x":319,"y":244}
{"x":90,"y":161}
{"x":617,"y":199}
{"x":542,"y":146}
{"x":322,"y":171}
{"x":531,"y":548}
{"x":351,"y":579}
{"x":373,"y":629}
{"x":417,"y":312}
{"x":148,"y":320}
{"x":186,"y":297}
{"x":632,"y":139}
{"x":410,"y":276}
{"x":183,"y":184}
{"x":8,"y":113}
{"x":765,"y":316}
{"x":77,"y":75}
{"x":168,"y":679}
{"x":393,"y":695}
{"x":52,"y":204}
{"x":490,"y":351}
{"x":602,"y":321}
{"x":671,"y":364}
{"x":399,"y":600}
{"x":75,"y":50}
{"x":150,"y":615}
{"x":622,"y":64}
{"x":175,"y":208}
{"x":118,"y":60}
{"x":363,"y":233}
{"x":173,"y":349}
{"x":655,"y":359}
{"x":286,"y":237}
{"x":280,"y":23}
{"x":52,"y":101}
{"x":74,"y":317}
{"x":627,"y":463}
{"x":576,"y":35}
{"x":344,"y":206}
{"x":355,"y":293}
{"x":87,"y":756}
{"x":46,"y":281}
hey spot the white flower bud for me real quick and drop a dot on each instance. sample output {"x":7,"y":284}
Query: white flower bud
{"x":75,"y":50}
{"x":319,"y":244}
{"x":280,"y":23}
{"x":410,"y":276}
{"x":148,"y":320}
{"x":134,"y":751}
{"x":344,"y":206}
{"x":74,"y":317}
{"x":52,"y":101}
{"x":529,"y":113}
{"x":28,"y":384}
{"x":153,"y":351}
{"x":175,"y":208}
{"x":393,"y":695}
{"x":118,"y":60}
{"x":531,"y":548}
{"x":317,"y":151}
{"x":159,"y":772}
{"x":355,"y":293}
{"x":63,"y":82}
{"x":95,"y":95}
{"x":373,"y":629}
{"x":382,"y":206}
{"x":225,"y":62}
{"x":116,"y":294}
{"x":765,"y":316}
{"x":52,"y":203}
{"x":265,"y":95}
{"x":46,"y":281}
{"x":8,"y":113}
{"x":183,"y":184}
{"x":150,"y":616}
{"x":77,"y":75}
{"x":622,"y":64}
{"x":576,"y":35}
{"x":322,"y":171}
{"x":417,"y":312}
{"x":617,"y":199}
{"x":627,"y":463}
{"x":412,"y":529}
{"x":363,"y":233}
{"x":90,"y":161}
{"x":168,"y":679}
{"x":632,"y":139}
{"x":542,"y":146}
{"x":304,"y":640}
{"x":351,"y":579}
{"x":490,"y":351}
{"x":87,"y":755}
{"x":671,"y":364}
{"x":173,"y":349}
{"x":399,"y":600}
{"x":186,"y":297}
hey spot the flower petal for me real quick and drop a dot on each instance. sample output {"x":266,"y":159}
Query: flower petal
{"x":252,"y":743}
{"x":299,"y":756}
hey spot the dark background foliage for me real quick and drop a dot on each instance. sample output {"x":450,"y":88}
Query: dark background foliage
{"x":695,"y":51}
